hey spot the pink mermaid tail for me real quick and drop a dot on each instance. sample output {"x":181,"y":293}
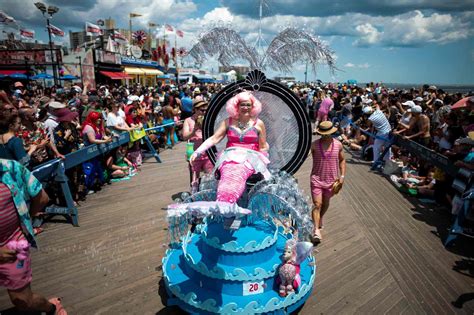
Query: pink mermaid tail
{"x":233,"y":181}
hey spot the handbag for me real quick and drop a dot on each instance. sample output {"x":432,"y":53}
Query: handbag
{"x":336,"y":187}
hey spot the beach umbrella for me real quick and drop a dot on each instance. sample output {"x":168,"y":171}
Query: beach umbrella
{"x":18,"y":76}
{"x":460,"y":104}
{"x":68,"y":77}
{"x":41,"y":76}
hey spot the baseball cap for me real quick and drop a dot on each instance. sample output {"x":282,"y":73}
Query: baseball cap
{"x":56,"y":105}
{"x":415,"y":109}
{"x":367,"y":110}
{"x":411,"y":104}
{"x":419,"y":99}
{"x":18,"y":84}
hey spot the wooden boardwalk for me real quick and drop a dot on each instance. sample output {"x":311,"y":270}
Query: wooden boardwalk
{"x":381,"y":253}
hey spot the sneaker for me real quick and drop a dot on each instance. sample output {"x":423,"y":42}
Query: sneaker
{"x":59,"y":308}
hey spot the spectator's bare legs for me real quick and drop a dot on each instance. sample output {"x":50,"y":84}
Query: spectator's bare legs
{"x":25,"y":300}
{"x":320,"y":207}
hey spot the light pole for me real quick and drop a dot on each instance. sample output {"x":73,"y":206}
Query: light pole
{"x":101,"y":24}
{"x":80,"y":69}
{"x":50,"y":10}
{"x":132,"y":15}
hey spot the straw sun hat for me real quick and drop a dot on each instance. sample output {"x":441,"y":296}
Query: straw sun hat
{"x":326,"y":128}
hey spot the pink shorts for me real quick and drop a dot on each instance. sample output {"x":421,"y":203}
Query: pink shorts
{"x":14,"y":277}
{"x":326,"y":192}
{"x":317,"y":189}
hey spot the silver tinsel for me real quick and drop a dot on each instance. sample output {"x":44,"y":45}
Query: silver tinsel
{"x":287,"y":48}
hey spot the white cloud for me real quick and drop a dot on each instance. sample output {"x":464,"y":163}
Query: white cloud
{"x":361,"y":66}
{"x":369,"y":35}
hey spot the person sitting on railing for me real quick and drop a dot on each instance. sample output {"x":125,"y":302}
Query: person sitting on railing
{"x":115,"y":122}
{"x":11,"y":146}
{"x":133,"y":120}
{"x":67,"y":139}
{"x":94,"y":133}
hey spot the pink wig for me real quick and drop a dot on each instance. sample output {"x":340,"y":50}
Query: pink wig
{"x":232,"y":105}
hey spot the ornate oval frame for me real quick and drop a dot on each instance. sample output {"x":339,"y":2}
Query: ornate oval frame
{"x":257,"y":81}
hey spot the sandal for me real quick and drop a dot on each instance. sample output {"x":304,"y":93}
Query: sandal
{"x":59,"y":308}
{"x":316,"y":239}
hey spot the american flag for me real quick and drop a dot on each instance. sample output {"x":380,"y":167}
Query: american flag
{"x":6,"y":19}
{"x":93,"y":29}
{"x":56,"y":30}
{"x":169,"y":28}
{"x":27,"y":33}
{"x":119,"y":36}
{"x":179,"y":33}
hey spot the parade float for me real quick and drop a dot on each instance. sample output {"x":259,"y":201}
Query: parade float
{"x":252,"y":256}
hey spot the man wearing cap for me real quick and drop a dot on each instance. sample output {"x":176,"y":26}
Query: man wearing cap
{"x":419,"y":127}
{"x":51,"y":123}
{"x":327,"y":175}
{"x":381,"y":127}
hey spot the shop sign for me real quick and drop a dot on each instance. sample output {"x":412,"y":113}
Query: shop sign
{"x":29,"y":57}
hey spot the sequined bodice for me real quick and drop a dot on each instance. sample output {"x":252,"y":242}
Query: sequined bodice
{"x":247,"y":138}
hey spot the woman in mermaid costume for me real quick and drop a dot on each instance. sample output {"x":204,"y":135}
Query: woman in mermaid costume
{"x":246,"y":152}
{"x":257,"y":264}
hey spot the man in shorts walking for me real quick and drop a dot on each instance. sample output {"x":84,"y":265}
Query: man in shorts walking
{"x":327,"y":175}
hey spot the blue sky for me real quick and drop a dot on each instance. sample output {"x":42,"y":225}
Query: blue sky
{"x":398,"y":41}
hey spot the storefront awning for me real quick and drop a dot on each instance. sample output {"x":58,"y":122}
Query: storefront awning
{"x":142,"y":71}
{"x":116,"y":75}
{"x":8,"y":72}
{"x":133,"y":70}
{"x":152,"y":71}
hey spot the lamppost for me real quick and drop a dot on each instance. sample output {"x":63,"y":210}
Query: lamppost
{"x":132,"y":15}
{"x":80,"y":68}
{"x":50,"y":10}
{"x":101,"y":24}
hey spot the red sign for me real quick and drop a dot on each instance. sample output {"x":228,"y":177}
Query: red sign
{"x":30,"y":57}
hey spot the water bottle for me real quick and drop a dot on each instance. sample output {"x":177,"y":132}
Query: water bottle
{"x":189,"y":150}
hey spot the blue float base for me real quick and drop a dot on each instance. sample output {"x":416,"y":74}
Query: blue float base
{"x":205,"y":277}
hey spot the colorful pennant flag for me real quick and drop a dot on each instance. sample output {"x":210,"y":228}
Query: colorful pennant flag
{"x":119,"y":36}
{"x":6,"y":19}
{"x":93,"y":30}
{"x":179,"y":33}
{"x":169,"y":28}
{"x":27,"y":33}
{"x":56,"y":30}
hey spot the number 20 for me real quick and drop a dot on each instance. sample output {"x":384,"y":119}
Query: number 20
{"x":253,"y":287}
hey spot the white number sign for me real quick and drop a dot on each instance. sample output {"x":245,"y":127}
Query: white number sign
{"x":252,"y":288}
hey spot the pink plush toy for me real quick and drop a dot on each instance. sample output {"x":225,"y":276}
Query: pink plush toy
{"x":289,"y":272}
{"x":22,"y":248}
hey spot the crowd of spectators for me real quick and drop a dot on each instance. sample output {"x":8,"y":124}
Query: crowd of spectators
{"x":370,"y":117}
{"x":39,"y":124}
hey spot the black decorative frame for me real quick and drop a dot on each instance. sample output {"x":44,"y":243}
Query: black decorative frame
{"x":256,"y":81}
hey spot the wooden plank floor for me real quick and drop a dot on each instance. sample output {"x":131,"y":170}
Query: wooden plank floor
{"x":381,"y":253}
